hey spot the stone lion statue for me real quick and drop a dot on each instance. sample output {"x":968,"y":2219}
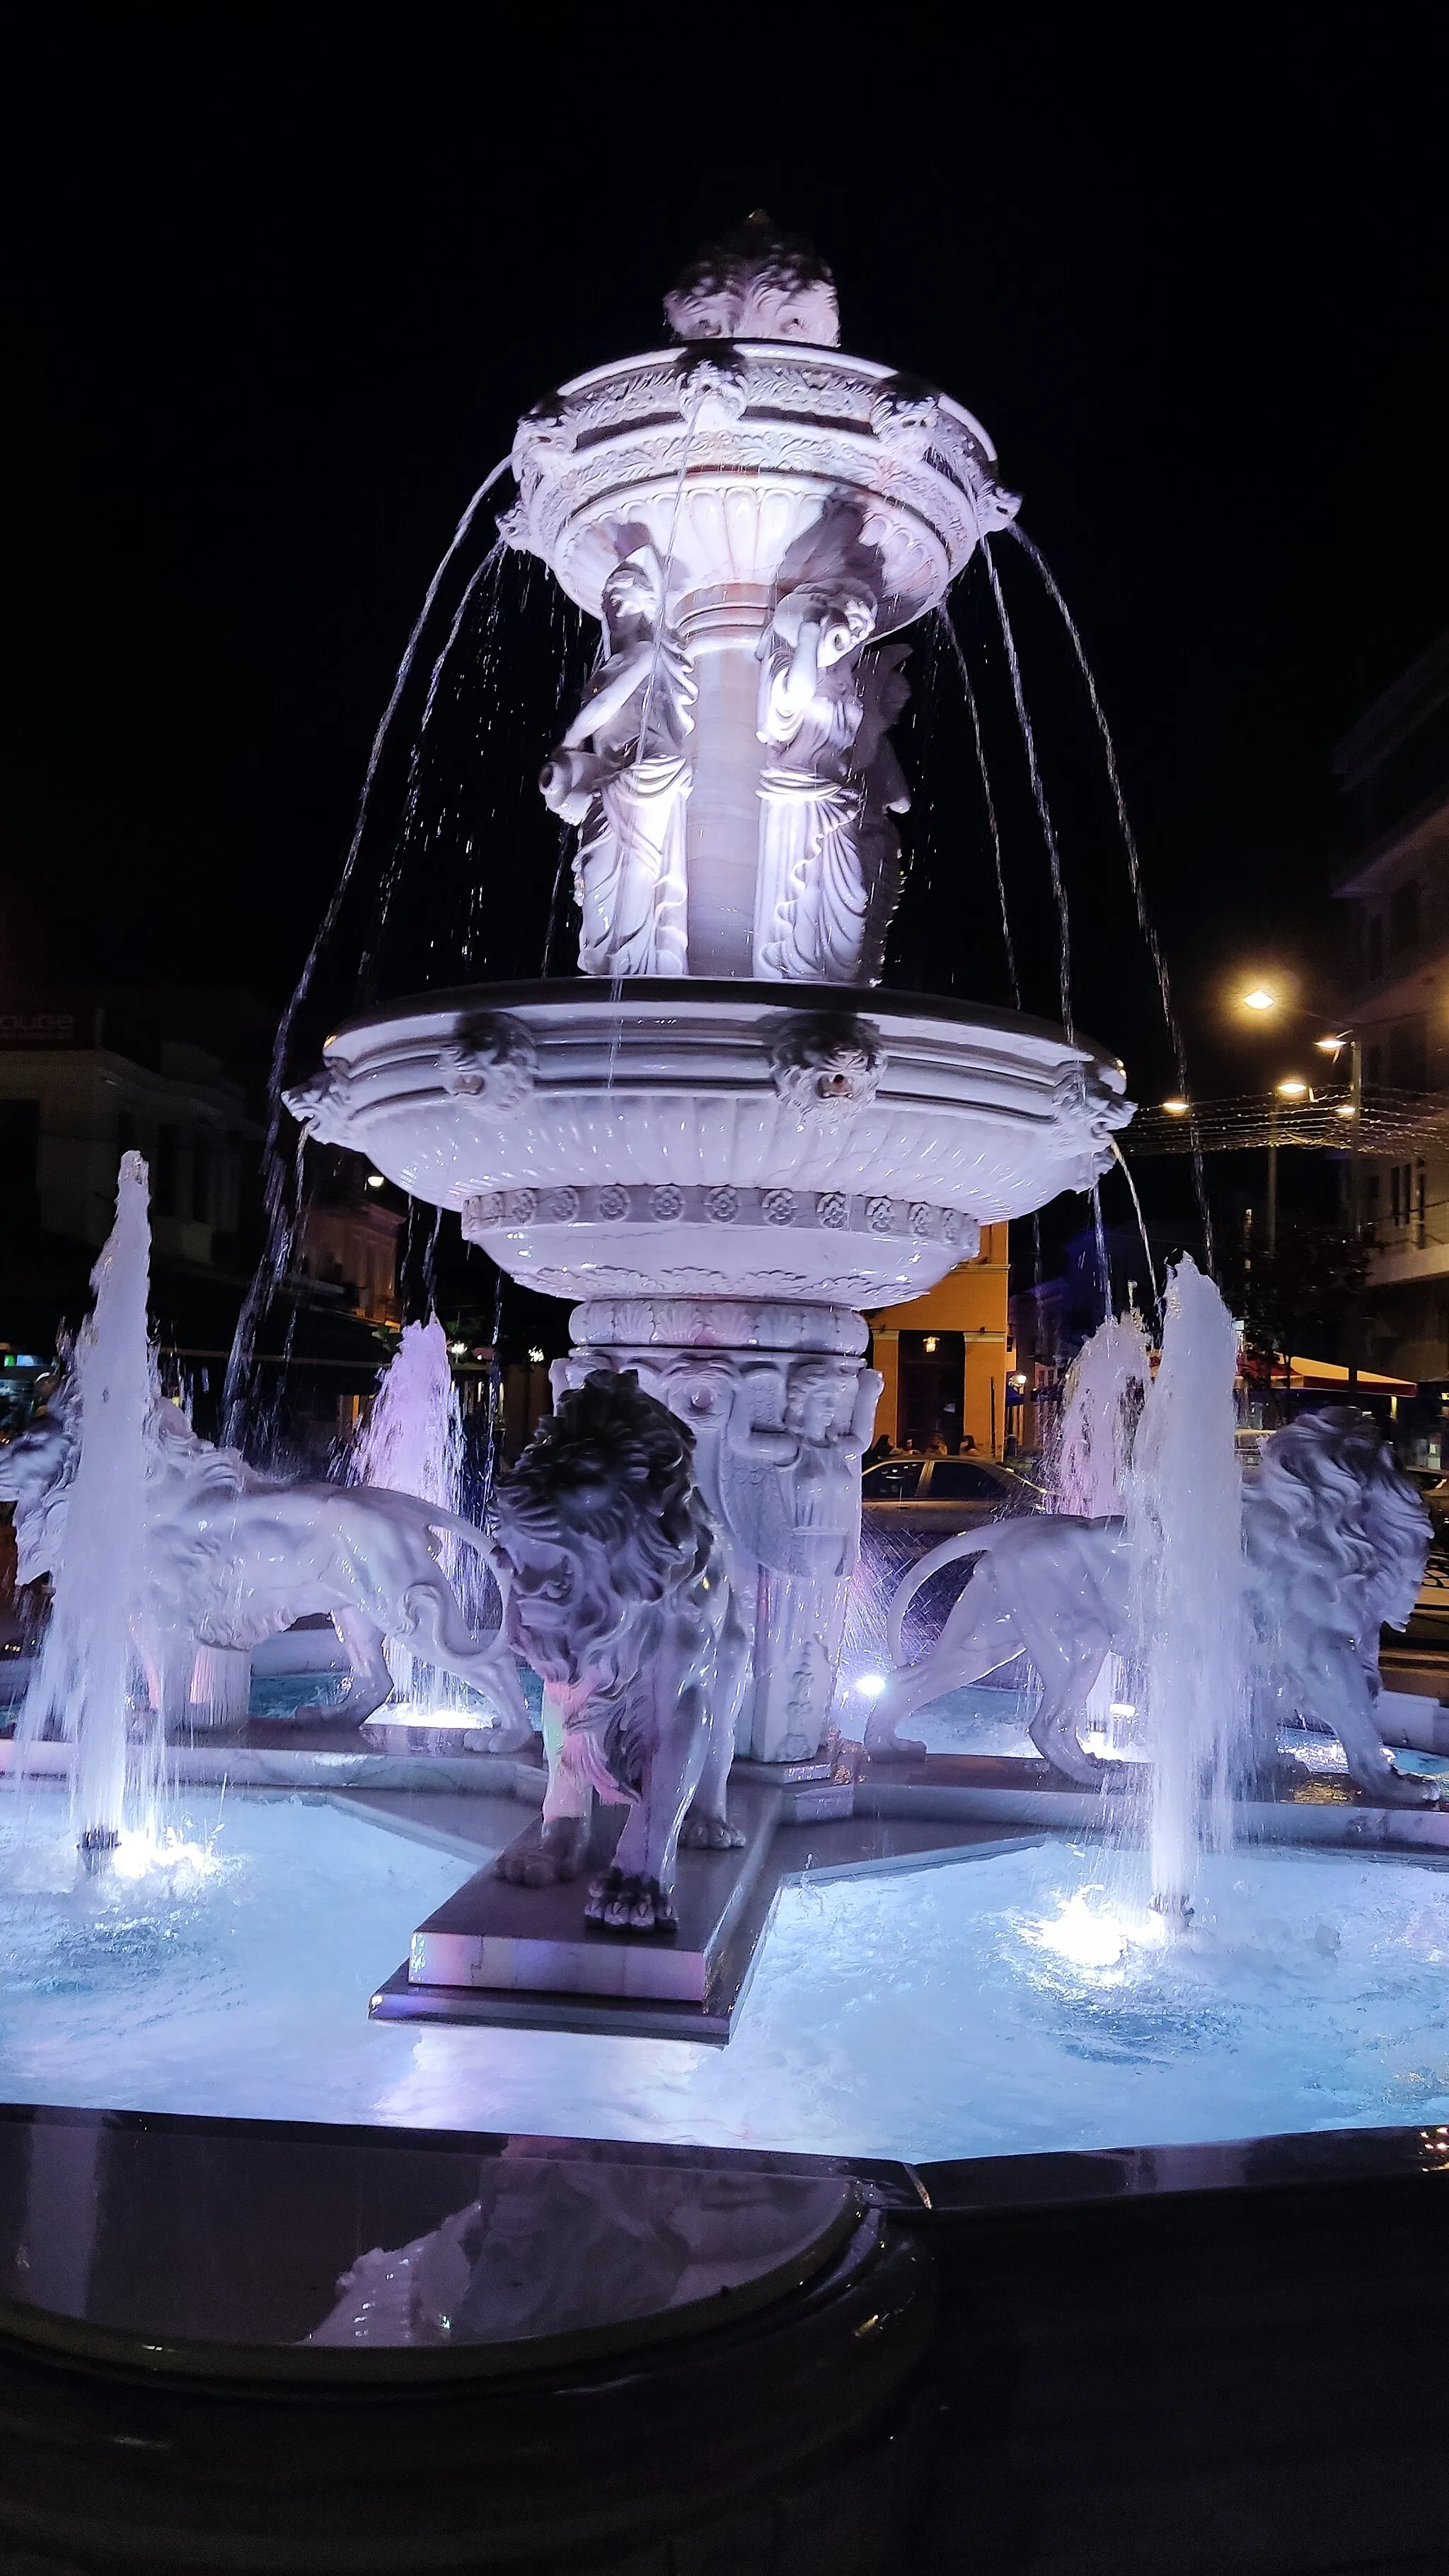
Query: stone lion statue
{"x":234,"y":1557}
{"x":1051,"y":1587}
{"x":1335,"y":1541}
{"x":615,"y":1592}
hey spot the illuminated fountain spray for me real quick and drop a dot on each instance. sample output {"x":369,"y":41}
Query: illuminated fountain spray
{"x":88,"y":1664}
{"x":1105,"y":1390}
{"x":1184,"y":1510}
{"x":412,"y":1443}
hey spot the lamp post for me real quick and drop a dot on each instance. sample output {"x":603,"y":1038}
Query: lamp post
{"x":1260,"y":1001}
{"x":1334,"y":1047}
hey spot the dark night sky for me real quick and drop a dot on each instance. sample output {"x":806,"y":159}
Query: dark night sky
{"x":276,"y":297}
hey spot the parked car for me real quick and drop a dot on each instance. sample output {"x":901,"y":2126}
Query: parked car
{"x":944,"y":1494}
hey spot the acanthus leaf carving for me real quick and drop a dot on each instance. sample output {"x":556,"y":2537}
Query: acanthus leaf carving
{"x":904,"y":416}
{"x":714,"y":388}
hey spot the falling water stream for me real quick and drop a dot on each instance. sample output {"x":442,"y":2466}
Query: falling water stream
{"x":1038,"y":789}
{"x":281,"y":1206}
{"x":1134,"y":865}
{"x":946,"y":620}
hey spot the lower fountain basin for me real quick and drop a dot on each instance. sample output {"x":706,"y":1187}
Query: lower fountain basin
{"x":1001,"y":2000}
{"x":704,"y":1139}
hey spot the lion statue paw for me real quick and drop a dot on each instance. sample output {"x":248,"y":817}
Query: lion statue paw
{"x":881,"y":1737}
{"x":622,"y":1904}
{"x":501,"y":1737}
{"x":709,"y":1833}
{"x":558,"y":1855}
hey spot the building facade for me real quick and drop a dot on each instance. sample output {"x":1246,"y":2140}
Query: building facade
{"x":87,"y":1076}
{"x":947,"y":1359}
{"x":1394,"y":769}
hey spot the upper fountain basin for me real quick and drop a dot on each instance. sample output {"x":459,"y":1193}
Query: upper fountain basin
{"x":722,"y":453}
{"x":718,"y":1139}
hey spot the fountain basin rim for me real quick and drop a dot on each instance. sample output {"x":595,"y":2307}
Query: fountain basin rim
{"x":855,"y":1001}
{"x":683,"y":354}
{"x":718,"y":1138}
{"x":852,"y":2234}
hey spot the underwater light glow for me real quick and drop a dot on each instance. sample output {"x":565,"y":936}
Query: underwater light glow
{"x":1091,"y":1936}
{"x":137,"y":1854}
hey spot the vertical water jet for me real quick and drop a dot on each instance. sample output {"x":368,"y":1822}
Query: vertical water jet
{"x":89,"y":1662}
{"x":1184,"y":1521}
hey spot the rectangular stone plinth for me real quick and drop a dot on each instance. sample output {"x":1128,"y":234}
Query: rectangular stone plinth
{"x":534,"y":1940}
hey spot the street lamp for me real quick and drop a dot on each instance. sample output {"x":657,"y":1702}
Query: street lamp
{"x":1261,"y":1000}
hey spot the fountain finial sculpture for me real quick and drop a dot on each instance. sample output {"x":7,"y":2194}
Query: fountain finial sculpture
{"x":756,"y":283}
{"x":793,"y":507}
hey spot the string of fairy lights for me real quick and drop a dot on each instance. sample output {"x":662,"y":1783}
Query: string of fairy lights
{"x":1340,"y":1112}
{"x":1383,"y":1121}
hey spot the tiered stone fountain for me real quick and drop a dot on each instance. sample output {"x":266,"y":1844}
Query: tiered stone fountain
{"x":723,"y":1143}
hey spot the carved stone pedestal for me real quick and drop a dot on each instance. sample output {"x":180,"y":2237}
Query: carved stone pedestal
{"x":496,"y":1952}
{"x":781,"y":1405}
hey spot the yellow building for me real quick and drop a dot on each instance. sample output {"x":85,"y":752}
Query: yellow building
{"x":946,"y":1357}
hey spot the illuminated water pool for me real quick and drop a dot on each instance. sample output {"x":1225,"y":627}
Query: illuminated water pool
{"x":988,"y":2005}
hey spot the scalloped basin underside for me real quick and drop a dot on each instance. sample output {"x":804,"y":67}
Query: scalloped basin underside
{"x":1002,"y":2003}
{"x":635,"y":1142}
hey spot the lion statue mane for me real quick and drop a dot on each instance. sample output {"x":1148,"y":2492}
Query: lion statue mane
{"x":615,"y":1592}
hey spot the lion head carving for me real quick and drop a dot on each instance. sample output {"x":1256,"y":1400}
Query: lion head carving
{"x":598,"y":1519}
{"x":826,"y":1064}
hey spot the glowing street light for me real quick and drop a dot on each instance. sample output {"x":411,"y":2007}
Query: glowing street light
{"x":1293,"y":1089}
{"x":1175,"y":1108}
{"x":1330,"y":1046}
{"x":1260,"y":999}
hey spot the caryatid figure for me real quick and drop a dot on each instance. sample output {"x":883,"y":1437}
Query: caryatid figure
{"x":621,"y":775}
{"x":790,"y":1489}
{"x":811,"y":901}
